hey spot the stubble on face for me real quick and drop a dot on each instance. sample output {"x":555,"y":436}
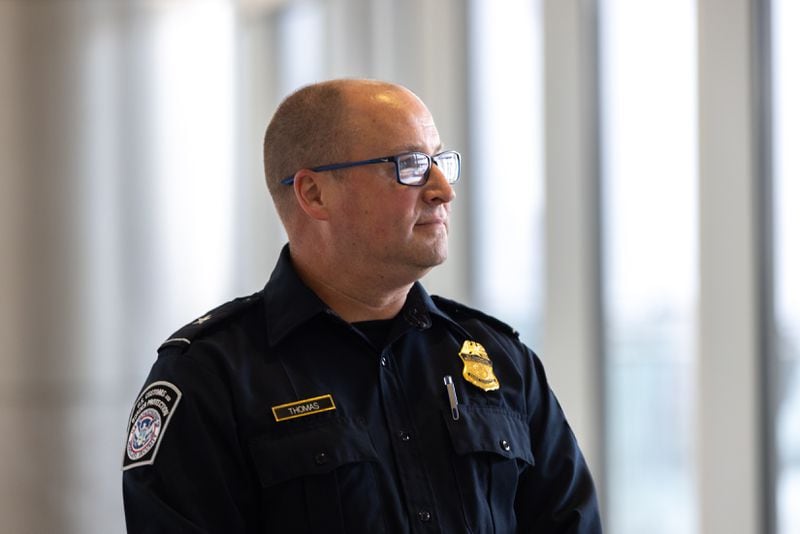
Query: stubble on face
{"x":395,"y":224}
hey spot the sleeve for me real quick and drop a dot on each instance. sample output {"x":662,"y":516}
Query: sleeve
{"x":557,"y":494}
{"x":184,"y":469}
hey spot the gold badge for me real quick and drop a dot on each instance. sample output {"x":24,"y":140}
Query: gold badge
{"x":303,"y":407}
{"x":477,"y":366}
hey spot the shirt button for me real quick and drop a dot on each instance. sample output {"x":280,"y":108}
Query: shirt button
{"x":424,"y":516}
{"x":321,"y":458}
{"x":404,"y":436}
{"x":384,"y":361}
{"x":417,"y":318}
{"x":505,"y":445}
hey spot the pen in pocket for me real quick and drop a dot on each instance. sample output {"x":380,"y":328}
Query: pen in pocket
{"x":451,"y":396}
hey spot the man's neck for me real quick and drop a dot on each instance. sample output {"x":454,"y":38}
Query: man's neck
{"x":353,"y":298}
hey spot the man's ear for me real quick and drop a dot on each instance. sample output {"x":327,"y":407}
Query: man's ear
{"x":309,"y":190}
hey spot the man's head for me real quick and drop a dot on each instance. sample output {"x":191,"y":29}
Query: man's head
{"x":359,"y":213}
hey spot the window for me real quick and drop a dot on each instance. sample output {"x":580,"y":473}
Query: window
{"x":506,"y":164}
{"x":648,"y":138}
{"x":786,"y":164}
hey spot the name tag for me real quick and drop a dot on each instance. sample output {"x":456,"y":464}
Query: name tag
{"x":303,"y":407}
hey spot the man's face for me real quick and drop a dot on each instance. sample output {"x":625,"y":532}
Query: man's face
{"x":394,"y":228}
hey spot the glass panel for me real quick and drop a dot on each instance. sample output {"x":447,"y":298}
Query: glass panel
{"x":506,"y":156}
{"x":648,"y":106}
{"x":300,"y":41}
{"x":786,"y":160}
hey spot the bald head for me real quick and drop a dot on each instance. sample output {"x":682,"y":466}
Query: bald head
{"x":313,"y":126}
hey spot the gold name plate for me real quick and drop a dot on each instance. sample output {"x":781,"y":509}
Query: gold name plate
{"x":302,"y":408}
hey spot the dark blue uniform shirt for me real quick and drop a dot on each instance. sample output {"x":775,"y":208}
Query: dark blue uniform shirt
{"x":273,"y":415}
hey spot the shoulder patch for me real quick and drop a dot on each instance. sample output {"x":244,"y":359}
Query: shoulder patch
{"x":458,"y":310}
{"x":184,"y":337}
{"x":148,"y":422}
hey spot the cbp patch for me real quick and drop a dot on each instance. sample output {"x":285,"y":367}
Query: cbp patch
{"x":148,"y":422}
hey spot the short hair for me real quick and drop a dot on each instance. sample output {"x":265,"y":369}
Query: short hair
{"x":307,"y":130}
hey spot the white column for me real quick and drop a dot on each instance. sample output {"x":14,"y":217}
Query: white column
{"x":730,"y":444}
{"x":572,"y":337}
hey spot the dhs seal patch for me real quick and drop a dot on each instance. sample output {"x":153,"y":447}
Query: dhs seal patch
{"x":148,"y":422}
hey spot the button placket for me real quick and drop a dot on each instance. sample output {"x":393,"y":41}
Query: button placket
{"x":415,"y":486}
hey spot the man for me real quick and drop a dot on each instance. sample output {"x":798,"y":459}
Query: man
{"x":343,"y":398}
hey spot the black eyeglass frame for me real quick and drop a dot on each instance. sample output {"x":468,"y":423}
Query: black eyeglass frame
{"x":289,"y":180}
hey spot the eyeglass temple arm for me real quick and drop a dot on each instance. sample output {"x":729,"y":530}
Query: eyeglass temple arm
{"x":289,"y":180}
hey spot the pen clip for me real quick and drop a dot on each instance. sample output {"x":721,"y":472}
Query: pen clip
{"x":451,"y":396}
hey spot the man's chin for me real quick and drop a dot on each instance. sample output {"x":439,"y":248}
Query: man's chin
{"x":424,"y":255}
{"x":436,"y":256}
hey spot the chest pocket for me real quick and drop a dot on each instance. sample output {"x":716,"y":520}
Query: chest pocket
{"x":319,"y":479}
{"x":492,"y":448}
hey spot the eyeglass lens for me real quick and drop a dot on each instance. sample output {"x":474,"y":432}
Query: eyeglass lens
{"x":414,"y":167}
{"x":449,"y":164}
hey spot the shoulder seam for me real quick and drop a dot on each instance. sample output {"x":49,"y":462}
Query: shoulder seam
{"x":184,"y":336}
{"x":460,"y":309}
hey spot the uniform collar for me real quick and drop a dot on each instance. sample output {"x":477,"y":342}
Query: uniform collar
{"x":420,"y":310}
{"x":290,"y":303}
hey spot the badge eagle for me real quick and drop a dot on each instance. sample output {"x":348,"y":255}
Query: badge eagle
{"x":477,"y":366}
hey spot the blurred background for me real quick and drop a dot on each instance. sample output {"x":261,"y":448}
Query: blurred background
{"x":630,"y":201}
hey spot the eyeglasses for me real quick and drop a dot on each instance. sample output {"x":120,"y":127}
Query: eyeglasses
{"x":411,"y":168}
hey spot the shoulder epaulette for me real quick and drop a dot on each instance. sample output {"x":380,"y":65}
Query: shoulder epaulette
{"x":185,"y":335}
{"x":456,"y":309}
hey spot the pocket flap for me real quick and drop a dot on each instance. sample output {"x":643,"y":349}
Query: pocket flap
{"x":489,"y":429}
{"x":311,"y":451}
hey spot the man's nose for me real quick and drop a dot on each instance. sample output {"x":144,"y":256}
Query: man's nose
{"x":437,"y":188}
